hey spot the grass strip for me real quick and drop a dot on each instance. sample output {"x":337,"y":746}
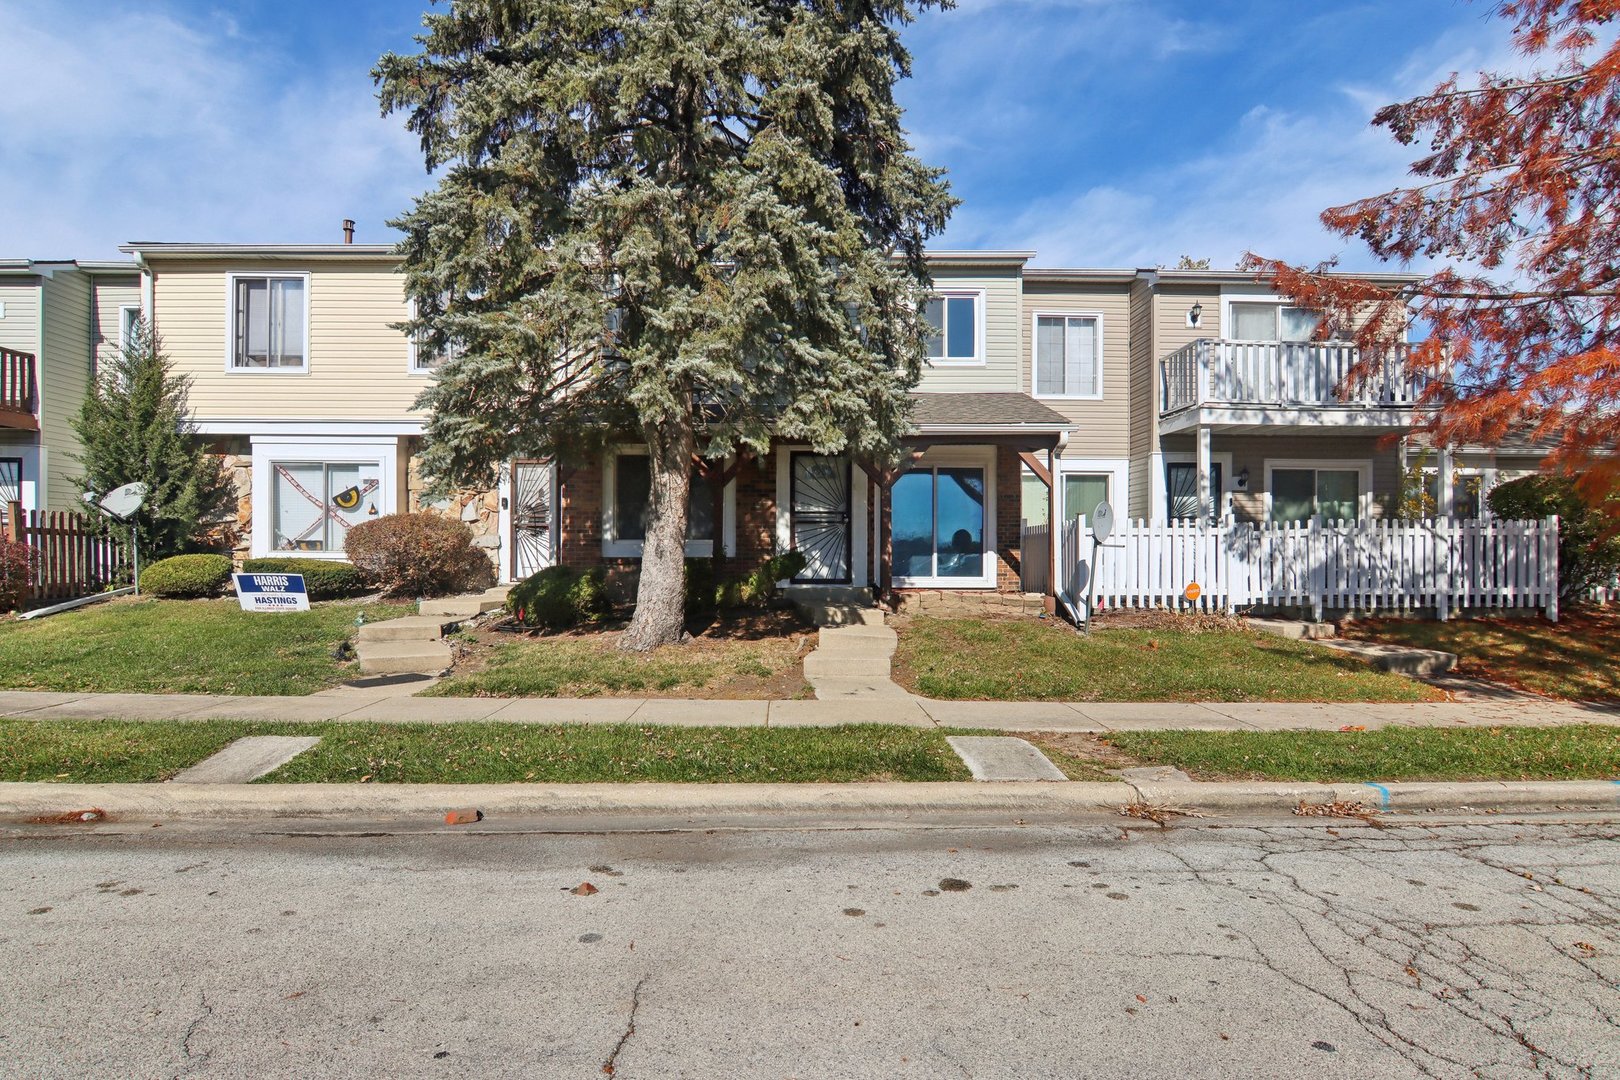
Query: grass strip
{"x":1573,"y":752}
{"x":1046,"y":660}
{"x":183,"y":647}
{"x":98,"y":751}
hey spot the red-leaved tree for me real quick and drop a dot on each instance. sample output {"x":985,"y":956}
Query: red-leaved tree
{"x":1521,"y":197}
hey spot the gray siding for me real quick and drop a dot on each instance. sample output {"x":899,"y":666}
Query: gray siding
{"x":1003,"y":331}
{"x":64,"y":378}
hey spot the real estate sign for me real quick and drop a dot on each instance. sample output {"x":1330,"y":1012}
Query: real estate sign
{"x":271,"y":592}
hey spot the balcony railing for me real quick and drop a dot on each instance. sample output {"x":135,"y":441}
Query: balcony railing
{"x":17,"y":385}
{"x":1284,"y":374}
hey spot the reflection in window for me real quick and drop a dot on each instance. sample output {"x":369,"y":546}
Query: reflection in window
{"x":953,"y":330}
{"x":938,"y":523}
{"x":632,"y":497}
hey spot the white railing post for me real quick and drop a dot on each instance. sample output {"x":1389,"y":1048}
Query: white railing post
{"x":1201,"y":376}
{"x":1549,"y":565}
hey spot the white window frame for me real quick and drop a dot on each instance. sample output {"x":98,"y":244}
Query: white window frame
{"x":614,"y":548}
{"x":268,"y":451}
{"x":978,"y":358}
{"x":124,"y":326}
{"x":1363,"y":466}
{"x":231,"y":279}
{"x":1035,"y":358}
{"x":977,"y":457}
{"x":1116,"y":469}
{"x":413,"y":355}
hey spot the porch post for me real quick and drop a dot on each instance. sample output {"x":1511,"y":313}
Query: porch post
{"x":1205,"y":502}
{"x":1443,"y":495}
{"x":1054,"y":542}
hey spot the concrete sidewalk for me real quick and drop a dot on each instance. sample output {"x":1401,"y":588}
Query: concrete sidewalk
{"x":383,"y":706}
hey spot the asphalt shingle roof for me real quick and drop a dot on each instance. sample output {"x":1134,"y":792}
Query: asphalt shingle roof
{"x":969,"y":410}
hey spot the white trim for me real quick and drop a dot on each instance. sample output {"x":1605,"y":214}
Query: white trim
{"x":862,"y":522}
{"x":631,"y":549}
{"x":231,"y":277}
{"x":977,"y":457}
{"x":980,"y":353}
{"x":123,"y":342}
{"x":995,"y":429}
{"x":31,"y":491}
{"x":302,"y":426}
{"x":267,"y":451}
{"x":1118,"y":471}
{"x":1034,"y":353}
{"x":1361,"y":466}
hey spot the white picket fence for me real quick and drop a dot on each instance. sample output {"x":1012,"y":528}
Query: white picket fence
{"x":1443,"y":564}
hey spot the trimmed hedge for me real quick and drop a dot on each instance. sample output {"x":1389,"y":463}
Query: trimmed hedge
{"x":187,"y":577}
{"x":325,"y":579}
{"x":559,"y":597}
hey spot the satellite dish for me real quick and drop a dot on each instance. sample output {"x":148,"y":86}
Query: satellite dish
{"x":121,"y":502}
{"x":1102,"y":522}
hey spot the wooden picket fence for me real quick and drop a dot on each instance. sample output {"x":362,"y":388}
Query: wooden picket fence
{"x":70,"y":560}
{"x":1444,"y":564}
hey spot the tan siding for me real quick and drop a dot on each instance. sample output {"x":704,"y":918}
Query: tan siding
{"x":1144,"y":400}
{"x":20,"y":328}
{"x":64,"y":378}
{"x":1253,"y":451}
{"x":1101,"y":427}
{"x":357,"y":363}
{"x":1003,"y":332}
{"x":110,"y":294}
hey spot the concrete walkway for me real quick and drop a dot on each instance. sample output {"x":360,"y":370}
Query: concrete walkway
{"x":383,"y":705}
{"x":853,"y":662}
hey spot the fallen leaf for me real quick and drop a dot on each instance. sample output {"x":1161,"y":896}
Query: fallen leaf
{"x":1354,"y":727}
{"x":1142,"y":999}
{"x":584,"y":888}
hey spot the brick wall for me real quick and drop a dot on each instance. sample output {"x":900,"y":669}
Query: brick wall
{"x":1009,"y":520}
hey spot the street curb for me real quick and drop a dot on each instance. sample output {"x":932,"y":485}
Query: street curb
{"x":270,"y":801}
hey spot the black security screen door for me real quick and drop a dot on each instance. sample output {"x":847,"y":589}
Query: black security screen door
{"x":1181,"y":485}
{"x":821,"y":519}
{"x":531,"y":517}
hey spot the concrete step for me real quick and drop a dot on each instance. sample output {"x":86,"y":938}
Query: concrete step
{"x":858,"y":646}
{"x":1399,"y":659}
{"x":841,"y":614}
{"x":851,"y":631}
{"x":410,"y":628}
{"x":819,"y":665}
{"x":1294,"y":629}
{"x":859,"y":595}
{"x":465,"y":607}
{"x":404,"y":657}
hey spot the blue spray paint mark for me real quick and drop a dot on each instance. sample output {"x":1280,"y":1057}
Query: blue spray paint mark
{"x":1383,"y":793}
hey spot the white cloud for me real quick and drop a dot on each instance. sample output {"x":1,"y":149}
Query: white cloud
{"x":163,"y":125}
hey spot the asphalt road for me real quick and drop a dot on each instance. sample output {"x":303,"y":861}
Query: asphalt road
{"x":1285,"y":948}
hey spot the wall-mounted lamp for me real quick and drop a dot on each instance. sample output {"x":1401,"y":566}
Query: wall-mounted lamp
{"x":1194,"y":313}
{"x":1240,"y":482}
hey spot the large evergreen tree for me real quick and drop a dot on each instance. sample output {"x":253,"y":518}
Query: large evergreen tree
{"x":697,"y":223}
{"x":135,"y":425}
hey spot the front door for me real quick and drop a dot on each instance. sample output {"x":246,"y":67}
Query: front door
{"x":821,"y":517}
{"x":531,"y":517}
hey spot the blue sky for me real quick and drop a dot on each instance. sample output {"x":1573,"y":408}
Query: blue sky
{"x":1095,"y":132}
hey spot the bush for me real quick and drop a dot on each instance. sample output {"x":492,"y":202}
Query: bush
{"x":1587,"y":556}
{"x":325,"y":579}
{"x":416,"y":555}
{"x":559,"y":597}
{"x":17,"y":562}
{"x":187,"y":577}
{"x":758,"y":587}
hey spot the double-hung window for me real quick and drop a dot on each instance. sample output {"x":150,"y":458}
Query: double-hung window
{"x":953,"y":321}
{"x":1303,"y":494}
{"x":269,"y":321}
{"x":1068,"y":356}
{"x":630,"y":483}
{"x":129,"y":324}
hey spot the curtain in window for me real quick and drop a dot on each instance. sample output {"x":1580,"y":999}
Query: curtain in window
{"x":1254,"y":322}
{"x":1081,"y":494}
{"x":286,"y":330}
{"x":1298,"y":324}
{"x":252,"y":322}
{"x":1049,"y":359}
{"x":1081,"y":362}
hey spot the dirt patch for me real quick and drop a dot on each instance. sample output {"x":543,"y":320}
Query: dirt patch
{"x":1189,"y":622}
{"x":1081,"y":756}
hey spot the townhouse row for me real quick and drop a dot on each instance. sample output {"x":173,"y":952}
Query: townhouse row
{"x":1169,"y":394}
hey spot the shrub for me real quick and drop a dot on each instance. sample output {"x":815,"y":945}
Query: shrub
{"x":416,"y":555}
{"x":17,"y":562}
{"x":186,"y":577}
{"x":758,"y":587}
{"x":1587,"y":556}
{"x":559,"y":597}
{"x":325,"y":579}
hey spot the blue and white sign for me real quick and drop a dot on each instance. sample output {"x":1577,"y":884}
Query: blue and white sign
{"x":271,"y":592}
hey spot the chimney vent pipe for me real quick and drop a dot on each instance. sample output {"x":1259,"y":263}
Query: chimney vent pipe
{"x":348,"y":230}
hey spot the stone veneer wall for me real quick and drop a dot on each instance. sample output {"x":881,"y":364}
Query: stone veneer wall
{"x":233,"y":534}
{"x":477,"y":508}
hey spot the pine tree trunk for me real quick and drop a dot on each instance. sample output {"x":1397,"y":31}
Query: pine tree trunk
{"x":660,"y":617}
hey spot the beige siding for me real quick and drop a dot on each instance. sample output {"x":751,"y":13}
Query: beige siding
{"x":1144,"y":399}
{"x":64,"y":378}
{"x":1002,"y":335}
{"x":1101,"y":427}
{"x":111,"y":292}
{"x":20,"y":328}
{"x":357,"y":363}
{"x":1251,"y":452}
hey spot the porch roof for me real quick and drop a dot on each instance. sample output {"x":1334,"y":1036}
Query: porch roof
{"x":984,"y":414}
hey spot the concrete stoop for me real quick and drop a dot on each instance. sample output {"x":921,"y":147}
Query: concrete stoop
{"x":1399,"y":659}
{"x":404,"y":657}
{"x":1295,"y":629}
{"x":465,"y":607}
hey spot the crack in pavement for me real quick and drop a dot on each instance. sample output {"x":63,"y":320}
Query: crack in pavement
{"x":609,"y":1065}
{"x":205,"y":1011}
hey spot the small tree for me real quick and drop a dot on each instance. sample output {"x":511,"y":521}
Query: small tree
{"x":135,"y":425}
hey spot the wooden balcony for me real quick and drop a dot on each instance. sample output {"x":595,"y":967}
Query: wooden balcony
{"x":19,"y":396}
{"x":1260,"y":382}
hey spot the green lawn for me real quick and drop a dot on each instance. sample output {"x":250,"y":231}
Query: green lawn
{"x":182,"y":646}
{"x":1047,"y":660}
{"x":590,"y":665}
{"x":95,"y":751}
{"x":1577,"y":658}
{"x":1576,"y":752}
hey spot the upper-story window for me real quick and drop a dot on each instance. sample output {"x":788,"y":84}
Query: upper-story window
{"x":953,"y":320}
{"x":129,"y":325}
{"x":1068,"y":356}
{"x":424,"y":357}
{"x":269,"y":321}
{"x":1273,"y":322}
